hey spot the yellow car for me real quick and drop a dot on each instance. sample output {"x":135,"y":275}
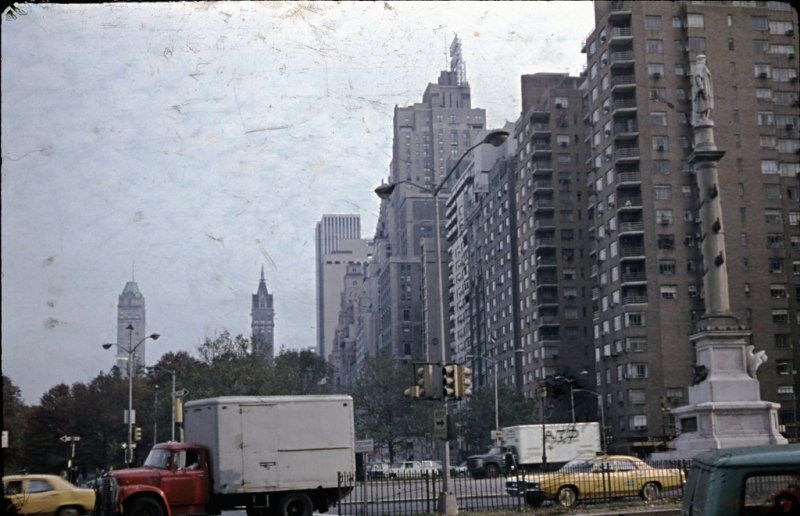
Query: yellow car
{"x":601,"y":477}
{"x":47,"y":495}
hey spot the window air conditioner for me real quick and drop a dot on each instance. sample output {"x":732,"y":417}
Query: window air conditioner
{"x":608,"y":132}
{"x":661,"y":148}
{"x":656,"y":75}
{"x":559,"y":105}
{"x":762,"y":75}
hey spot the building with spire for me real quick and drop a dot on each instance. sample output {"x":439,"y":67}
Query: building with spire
{"x":262,"y":314}
{"x":130,"y":326}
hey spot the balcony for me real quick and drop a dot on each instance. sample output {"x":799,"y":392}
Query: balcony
{"x":545,"y":262}
{"x":635,"y":252}
{"x":623,"y":82}
{"x":546,"y":280}
{"x":629,"y":228}
{"x":542,"y":167}
{"x":541,"y":148}
{"x":620,"y":11}
{"x":539,"y":128}
{"x":634,"y":300}
{"x":542,"y":242}
{"x":626,"y":130}
{"x":620,"y":35}
{"x":623,"y":58}
{"x":626,"y":153}
{"x":543,"y":204}
{"x":546,"y":320}
{"x":542,"y":184}
{"x":548,"y":223}
{"x":547,"y":300}
{"x":623,"y":105}
{"x":629,"y":203}
{"x":634,"y":277}
{"x":629,"y":178}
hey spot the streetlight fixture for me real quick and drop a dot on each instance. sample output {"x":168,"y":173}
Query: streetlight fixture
{"x":602,"y":417}
{"x":447,"y":498}
{"x":173,"y":373}
{"x":496,"y":409}
{"x":569,"y":381}
{"x":131,"y":350}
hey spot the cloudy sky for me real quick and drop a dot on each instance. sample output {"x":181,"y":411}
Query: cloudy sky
{"x":203,"y":140}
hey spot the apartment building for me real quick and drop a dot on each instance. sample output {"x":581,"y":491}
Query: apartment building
{"x":643,"y":207}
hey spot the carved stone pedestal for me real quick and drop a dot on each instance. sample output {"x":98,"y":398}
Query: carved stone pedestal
{"x":725,"y":409}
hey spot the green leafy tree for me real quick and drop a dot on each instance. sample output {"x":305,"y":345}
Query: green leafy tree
{"x":382,"y":412}
{"x":475,"y":420}
{"x":15,"y":416}
{"x":301,"y":372}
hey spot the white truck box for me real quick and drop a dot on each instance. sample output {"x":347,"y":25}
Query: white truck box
{"x":564,"y":441}
{"x":273,"y":443}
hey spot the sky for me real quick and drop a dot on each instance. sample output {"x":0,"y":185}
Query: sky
{"x":189,"y":144}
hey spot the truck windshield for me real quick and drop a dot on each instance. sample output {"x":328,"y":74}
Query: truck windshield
{"x":158,"y":458}
{"x":496,"y":451}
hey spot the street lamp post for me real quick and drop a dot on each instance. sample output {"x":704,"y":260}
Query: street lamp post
{"x":542,"y":392}
{"x":496,"y":406}
{"x":447,"y":498}
{"x":173,"y":373}
{"x":155,"y":414}
{"x":131,"y":350}
{"x":602,"y":417}
{"x":571,"y":398}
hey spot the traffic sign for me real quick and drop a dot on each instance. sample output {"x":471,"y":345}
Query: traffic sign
{"x":181,"y":393}
{"x":69,"y":438}
{"x":497,"y":435}
{"x":365,"y":446}
{"x":440,"y":424}
{"x":5,"y":438}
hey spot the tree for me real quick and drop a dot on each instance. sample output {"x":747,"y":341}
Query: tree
{"x":301,"y":372}
{"x":382,"y":412}
{"x":475,"y":420}
{"x":15,"y":416}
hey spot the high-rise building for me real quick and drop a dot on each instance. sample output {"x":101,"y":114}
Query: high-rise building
{"x":343,"y":355}
{"x":333,"y":268}
{"x":130,"y":327}
{"x":262,"y":325}
{"x":428,"y":137}
{"x":643,"y":211}
{"x":552,"y":234}
{"x":330,"y":230}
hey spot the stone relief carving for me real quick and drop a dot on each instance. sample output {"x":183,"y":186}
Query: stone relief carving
{"x":754,"y":360}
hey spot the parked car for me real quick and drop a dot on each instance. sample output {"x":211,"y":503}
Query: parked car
{"x":745,"y":481}
{"x":47,"y":495}
{"x":606,"y":475}
{"x":378,"y":470}
{"x":416,"y":468}
{"x":459,"y":471}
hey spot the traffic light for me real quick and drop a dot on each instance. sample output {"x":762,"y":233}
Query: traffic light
{"x":137,"y":433}
{"x":449,"y":381}
{"x":463,"y":382}
{"x":426,"y":383}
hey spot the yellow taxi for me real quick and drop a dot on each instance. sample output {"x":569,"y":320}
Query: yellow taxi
{"x":601,"y":477}
{"x":47,"y":495}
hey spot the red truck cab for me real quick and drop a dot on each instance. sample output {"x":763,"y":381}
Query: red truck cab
{"x":175,"y":478}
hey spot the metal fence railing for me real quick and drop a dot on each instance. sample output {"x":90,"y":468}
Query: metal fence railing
{"x":601,"y":482}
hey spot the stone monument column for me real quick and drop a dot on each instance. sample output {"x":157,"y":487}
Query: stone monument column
{"x":725,"y":407}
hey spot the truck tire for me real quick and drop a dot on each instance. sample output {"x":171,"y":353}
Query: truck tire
{"x":492,"y":471}
{"x":296,"y":504}
{"x":144,"y":507}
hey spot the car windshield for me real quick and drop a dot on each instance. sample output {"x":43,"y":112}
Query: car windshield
{"x":496,"y":451}
{"x":158,"y":458}
{"x":577,"y":465}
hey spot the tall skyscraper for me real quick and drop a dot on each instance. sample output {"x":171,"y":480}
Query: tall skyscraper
{"x":330,"y":230}
{"x":643,"y":211}
{"x":262,"y":314}
{"x":130,"y":327}
{"x":428,"y":137}
{"x":553,"y":257}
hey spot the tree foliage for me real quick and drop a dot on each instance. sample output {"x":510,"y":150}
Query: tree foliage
{"x":475,"y":420}
{"x":382,"y":412}
{"x":225,"y":366}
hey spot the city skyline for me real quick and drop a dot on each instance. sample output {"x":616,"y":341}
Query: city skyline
{"x":175,"y":144}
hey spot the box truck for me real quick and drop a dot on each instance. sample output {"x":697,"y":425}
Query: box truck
{"x":522,"y":447}
{"x":267,"y":455}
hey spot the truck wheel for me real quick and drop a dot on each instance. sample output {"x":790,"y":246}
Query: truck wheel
{"x":296,"y":504}
{"x":492,"y":471}
{"x":567,"y":496}
{"x":69,"y":511}
{"x":144,"y":507}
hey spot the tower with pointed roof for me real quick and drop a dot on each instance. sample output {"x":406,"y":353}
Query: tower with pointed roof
{"x":130,"y":326}
{"x":262,"y":316}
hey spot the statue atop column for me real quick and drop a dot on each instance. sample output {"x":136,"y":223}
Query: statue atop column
{"x":702,"y":92}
